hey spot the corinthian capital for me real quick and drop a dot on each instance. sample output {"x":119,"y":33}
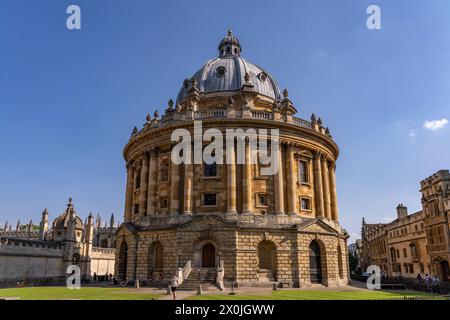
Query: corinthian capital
{"x":317,"y":154}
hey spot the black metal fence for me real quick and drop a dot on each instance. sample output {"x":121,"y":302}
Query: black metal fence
{"x":411,"y":284}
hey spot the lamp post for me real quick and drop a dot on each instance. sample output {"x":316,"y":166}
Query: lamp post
{"x":232,"y":293}
{"x":179,"y":258}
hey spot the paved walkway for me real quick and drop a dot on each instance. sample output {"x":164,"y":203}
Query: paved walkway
{"x":355,"y":286}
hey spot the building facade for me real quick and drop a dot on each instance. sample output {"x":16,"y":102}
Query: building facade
{"x":413,"y":243}
{"x":231,"y":222}
{"x":36,"y":254}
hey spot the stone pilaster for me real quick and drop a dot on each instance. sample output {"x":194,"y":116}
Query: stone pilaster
{"x":188,"y":187}
{"x":129,"y":193}
{"x":326,"y":188}
{"x":144,"y":185}
{"x":292,"y":181}
{"x":152,"y":183}
{"x":334,"y":203}
{"x":247,"y":205}
{"x":231,"y":180}
{"x":135,"y":200}
{"x":318,"y":185}
{"x":278,"y":183}
{"x":174,"y":188}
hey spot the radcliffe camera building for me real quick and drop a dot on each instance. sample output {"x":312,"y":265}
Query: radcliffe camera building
{"x":413,"y":243}
{"x":223,"y":223}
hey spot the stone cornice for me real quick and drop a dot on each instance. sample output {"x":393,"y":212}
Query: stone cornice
{"x":317,"y":139}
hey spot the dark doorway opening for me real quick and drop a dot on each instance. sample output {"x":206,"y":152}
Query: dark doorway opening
{"x":315,"y":263}
{"x":445,"y":270}
{"x":208,"y":256}
{"x":123,"y":257}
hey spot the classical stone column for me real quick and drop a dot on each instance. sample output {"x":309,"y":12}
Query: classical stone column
{"x":129,"y":193}
{"x":188,"y":177}
{"x":134,"y":200}
{"x":333,"y":193}
{"x":318,"y":196}
{"x":188,"y":187}
{"x":144,"y":186}
{"x":152,"y":181}
{"x":292,"y":181}
{"x":174,"y":188}
{"x":231,"y":180}
{"x":247,"y":206}
{"x":278,"y":184}
{"x":326,"y":188}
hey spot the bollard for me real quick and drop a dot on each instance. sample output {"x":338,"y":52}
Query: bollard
{"x":275,"y":287}
{"x":136,"y":284}
{"x":168,"y":290}
{"x":199,"y":290}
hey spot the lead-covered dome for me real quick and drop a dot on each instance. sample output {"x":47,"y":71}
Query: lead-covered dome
{"x":227,"y":73}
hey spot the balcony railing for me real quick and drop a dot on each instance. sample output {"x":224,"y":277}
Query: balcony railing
{"x":301,"y":123}
{"x":174,"y":118}
{"x":262,"y":115}
{"x":217,"y":113}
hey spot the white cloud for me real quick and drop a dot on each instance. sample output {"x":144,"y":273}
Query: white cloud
{"x":388,"y":219}
{"x":435,"y":124}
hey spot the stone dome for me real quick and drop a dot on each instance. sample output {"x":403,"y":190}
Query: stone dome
{"x":62,"y":221}
{"x":228,"y":71}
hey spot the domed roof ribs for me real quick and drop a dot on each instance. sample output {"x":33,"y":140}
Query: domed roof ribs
{"x":238,"y":70}
{"x":231,"y":78}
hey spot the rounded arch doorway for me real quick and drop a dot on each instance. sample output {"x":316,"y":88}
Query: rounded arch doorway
{"x":208,"y":256}
{"x":445,"y":270}
{"x":315,"y":262}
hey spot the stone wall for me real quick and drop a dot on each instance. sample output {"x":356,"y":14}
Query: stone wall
{"x":28,"y":259}
{"x":102,"y":261}
{"x":239,"y":249}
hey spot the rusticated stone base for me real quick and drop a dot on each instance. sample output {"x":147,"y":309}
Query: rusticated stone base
{"x":252,"y":256}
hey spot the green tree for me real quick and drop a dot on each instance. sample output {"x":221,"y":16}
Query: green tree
{"x":353,"y":261}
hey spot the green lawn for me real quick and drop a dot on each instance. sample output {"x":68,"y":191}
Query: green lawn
{"x":60,"y":293}
{"x":317,"y":295}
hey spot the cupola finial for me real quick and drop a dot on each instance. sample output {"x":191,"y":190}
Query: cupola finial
{"x":230,"y":45}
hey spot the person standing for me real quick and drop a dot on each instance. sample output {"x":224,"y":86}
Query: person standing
{"x":174,"y":286}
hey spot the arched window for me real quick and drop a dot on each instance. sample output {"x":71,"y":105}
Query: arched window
{"x":393,"y":256}
{"x":123,"y":260}
{"x":138,"y":179}
{"x":164,"y":171}
{"x":315,"y":262}
{"x":156,"y":257}
{"x":414,"y":251}
{"x":76,"y":258}
{"x":266,"y":255}
{"x":210,"y":170}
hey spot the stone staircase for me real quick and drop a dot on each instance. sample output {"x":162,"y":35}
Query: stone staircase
{"x":206,"y":277}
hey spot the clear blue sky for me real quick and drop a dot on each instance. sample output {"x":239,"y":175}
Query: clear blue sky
{"x":69,"y":99}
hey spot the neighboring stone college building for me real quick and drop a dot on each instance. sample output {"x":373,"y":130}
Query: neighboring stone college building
{"x":415,"y":243}
{"x":33,"y":254}
{"x":230,"y":222}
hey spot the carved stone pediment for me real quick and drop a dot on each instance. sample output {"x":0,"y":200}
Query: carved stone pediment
{"x":206,"y":223}
{"x":317,"y":226}
{"x":125,"y":229}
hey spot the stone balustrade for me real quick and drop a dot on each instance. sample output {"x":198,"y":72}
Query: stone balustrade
{"x":178,"y":117}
